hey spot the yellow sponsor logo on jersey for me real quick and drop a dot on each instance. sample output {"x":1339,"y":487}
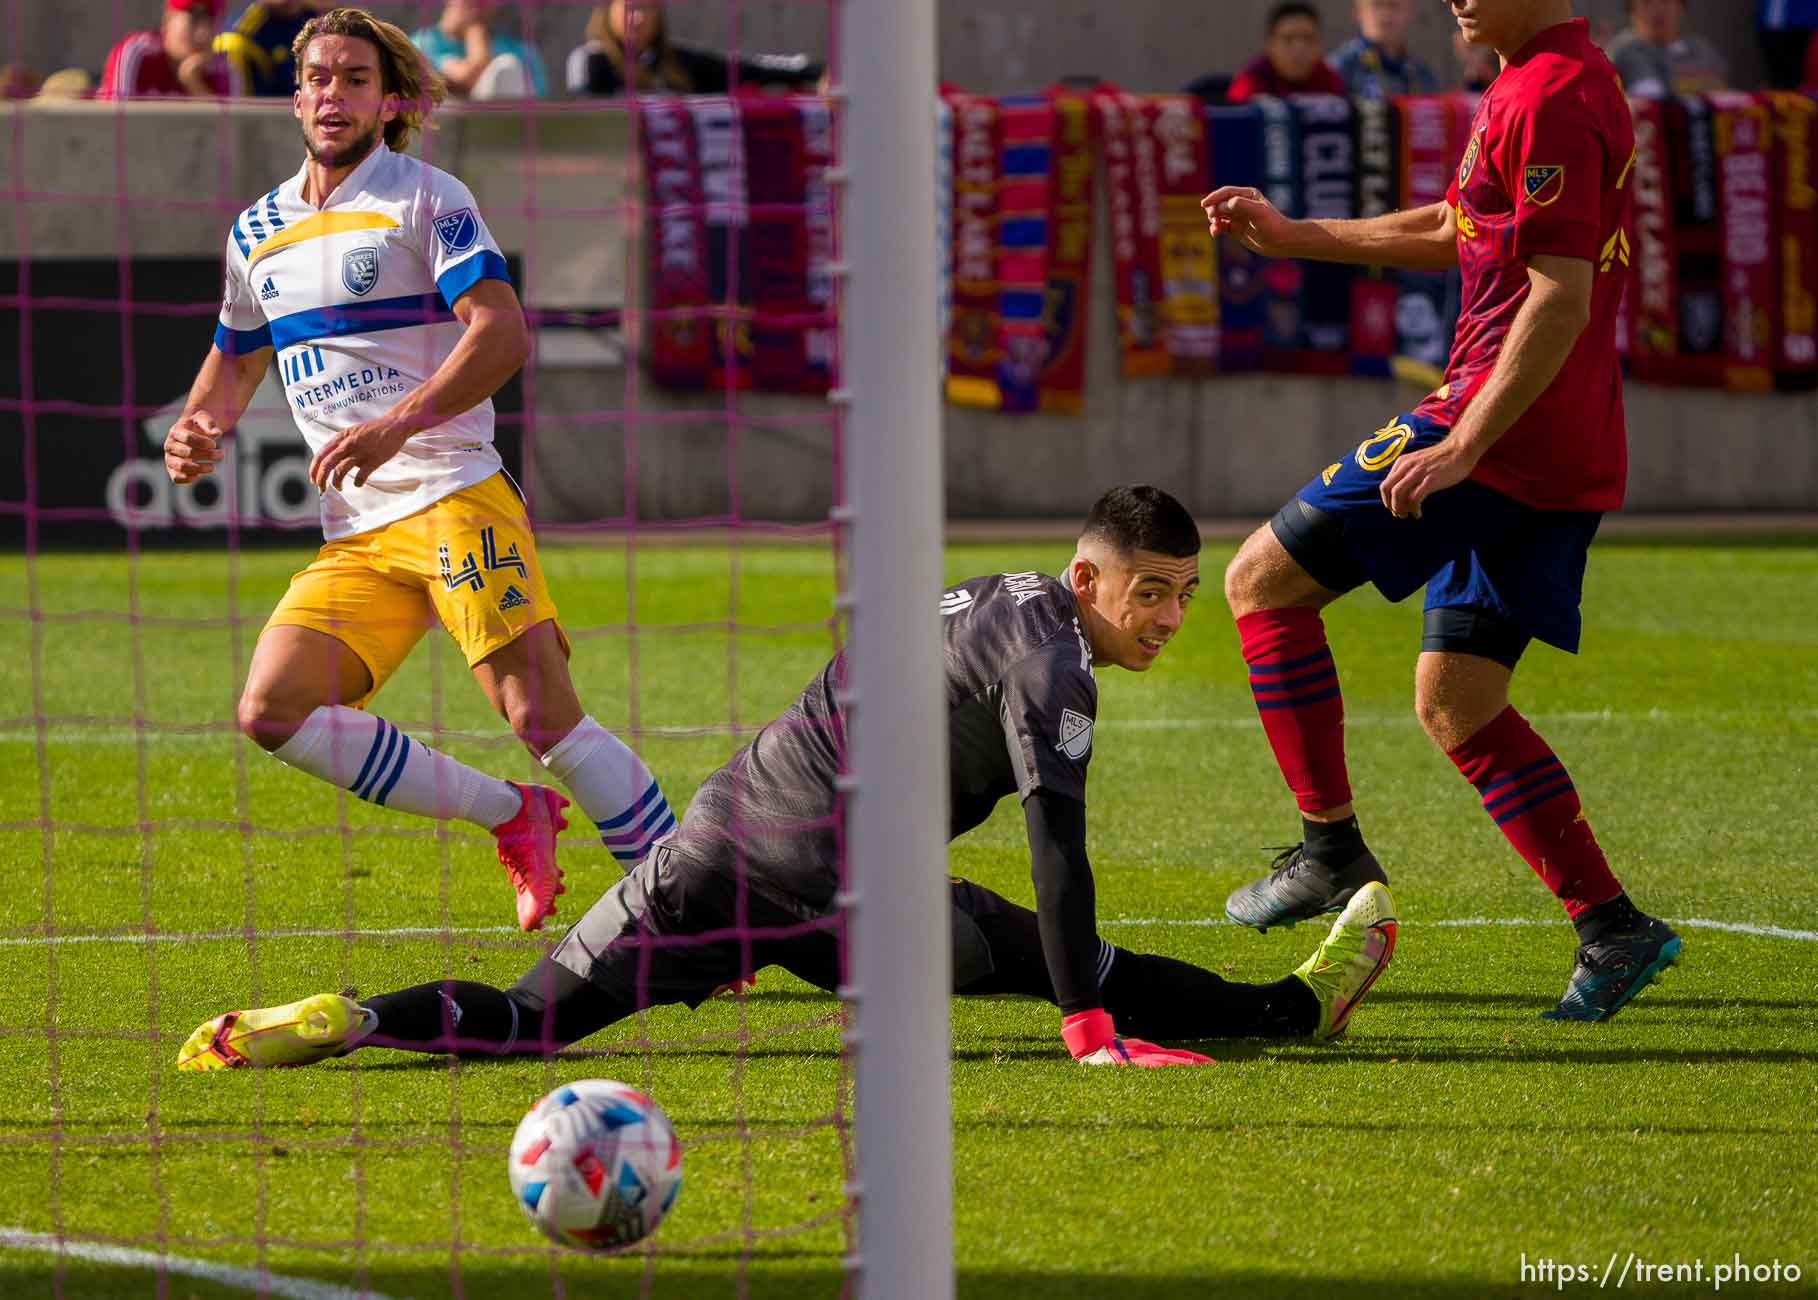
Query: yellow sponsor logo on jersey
{"x":1325,"y":475}
{"x":1467,"y":228}
{"x":322,"y":223}
{"x":1542,"y":183}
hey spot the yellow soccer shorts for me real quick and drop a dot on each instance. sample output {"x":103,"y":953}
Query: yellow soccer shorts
{"x":468,"y":562}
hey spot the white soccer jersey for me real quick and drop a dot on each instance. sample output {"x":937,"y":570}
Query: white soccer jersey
{"x":356,"y":298}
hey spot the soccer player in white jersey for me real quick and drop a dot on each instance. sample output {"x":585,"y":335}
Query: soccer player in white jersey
{"x":374,"y":281}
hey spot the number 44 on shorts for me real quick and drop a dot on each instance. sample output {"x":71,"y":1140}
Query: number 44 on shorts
{"x":491,"y":560}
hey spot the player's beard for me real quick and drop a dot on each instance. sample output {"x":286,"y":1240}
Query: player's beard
{"x":348,"y":155}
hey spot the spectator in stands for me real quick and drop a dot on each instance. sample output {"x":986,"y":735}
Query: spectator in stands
{"x":1656,"y":57}
{"x":478,"y":62}
{"x":1477,"y":65}
{"x":174,"y":60}
{"x":1375,"y":64}
{"x":1292,"y":61}
{"x":18,"y":81}
{"x":68,"y":83}
{"x":257,"y":45}
{"x":634,"y":34}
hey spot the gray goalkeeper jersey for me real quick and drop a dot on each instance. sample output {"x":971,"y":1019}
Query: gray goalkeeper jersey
{"x":1021,"y":701}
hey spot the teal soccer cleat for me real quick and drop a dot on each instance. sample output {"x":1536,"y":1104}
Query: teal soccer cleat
{"x":1608,"y":973}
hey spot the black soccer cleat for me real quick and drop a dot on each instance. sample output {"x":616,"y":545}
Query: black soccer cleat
{"x":1609,"y":972}
{"x":1298,"y":888}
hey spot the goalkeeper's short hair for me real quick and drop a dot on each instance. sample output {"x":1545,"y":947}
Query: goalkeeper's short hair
{"x":1142,"y":518}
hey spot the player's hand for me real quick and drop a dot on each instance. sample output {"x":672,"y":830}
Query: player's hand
{"x":1416,"y":475}
{"x":358,"y":450}
{"x":1093,"y":1040}
{"x":1241,"y":210}
{"x":192,"y":448}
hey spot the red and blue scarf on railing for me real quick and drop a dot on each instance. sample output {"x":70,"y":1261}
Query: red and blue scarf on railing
{"x":1024,"y":200}
{"x":1698,"y":242}
{"x":1189,"y":295}
{"x":1063,"y":380}
{"x":1328,"y":179}
{"x":1423,"y":330}
{"x":1234,"y":135}
{"x":676,"y":335}
{"x":1373,"y":292}
{"x":1133,"y":199}
{"x":1652,"y":300}
{"x":1746,"y":201}
{"x":787,"y":149}
{"x":974,"y":343}
{"x":720,"y":141}
{"x":1284,"y":281}
{"x":1795,"y":135}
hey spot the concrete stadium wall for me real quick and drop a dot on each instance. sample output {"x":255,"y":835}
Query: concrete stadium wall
{"x":989,"y":46}
{"x":1227,"y":447}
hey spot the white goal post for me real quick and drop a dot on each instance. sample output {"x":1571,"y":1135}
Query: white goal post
{"x":899,"y":974}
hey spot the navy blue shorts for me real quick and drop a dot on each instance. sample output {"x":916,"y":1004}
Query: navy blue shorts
{"x":1473,"y":548}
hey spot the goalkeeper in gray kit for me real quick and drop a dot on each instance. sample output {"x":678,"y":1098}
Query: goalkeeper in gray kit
{"x":750,"y":877}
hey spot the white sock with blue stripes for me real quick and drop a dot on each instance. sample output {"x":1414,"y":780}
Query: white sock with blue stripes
{"x":613,"y":787}
{"x":362,"y":752}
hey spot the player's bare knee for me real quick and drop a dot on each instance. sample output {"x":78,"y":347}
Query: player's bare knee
{"x":267,"y":720}
{"x":532,"y":721}
{"x":1451,"y":712}
{"x":1246,"y":584}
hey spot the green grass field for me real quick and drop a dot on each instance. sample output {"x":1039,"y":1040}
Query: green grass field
{"x":1451,"y":1136}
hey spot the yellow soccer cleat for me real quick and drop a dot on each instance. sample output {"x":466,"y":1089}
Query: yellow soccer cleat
{"x":298,"y":1033}
{"x":1342,"y":969}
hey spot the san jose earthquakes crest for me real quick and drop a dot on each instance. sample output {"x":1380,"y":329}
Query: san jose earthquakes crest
{"x":458,"y":230}
{"x":1075,"y":734}
{"x":360,"y":270}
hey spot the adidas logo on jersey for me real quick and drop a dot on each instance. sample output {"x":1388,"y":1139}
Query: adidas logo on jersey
{"x":512,"y":599}
{"x":268,"y":290}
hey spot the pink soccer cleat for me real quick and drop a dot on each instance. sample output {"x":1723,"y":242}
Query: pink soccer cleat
{"x":527,"y":847}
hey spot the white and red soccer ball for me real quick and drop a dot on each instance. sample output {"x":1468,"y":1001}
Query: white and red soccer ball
{"x":595,"y":1165}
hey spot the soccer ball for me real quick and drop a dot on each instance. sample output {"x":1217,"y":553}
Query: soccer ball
{"x":595,"y":1164}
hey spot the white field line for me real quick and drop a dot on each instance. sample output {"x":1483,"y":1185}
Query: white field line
{"x":266,"y":936}
{"x":1463,"y":922}
{"x":1110,"y":923}
{"x":78,"y":734}
{"x":257,"y":1281}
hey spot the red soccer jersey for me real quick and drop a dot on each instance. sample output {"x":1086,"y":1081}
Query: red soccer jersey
{"x":1546,"y":171}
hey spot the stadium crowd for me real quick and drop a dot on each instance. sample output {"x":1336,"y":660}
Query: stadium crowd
{"x":482,"y":50}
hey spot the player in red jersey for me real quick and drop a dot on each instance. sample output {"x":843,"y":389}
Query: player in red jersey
{"x":1488,"y":492}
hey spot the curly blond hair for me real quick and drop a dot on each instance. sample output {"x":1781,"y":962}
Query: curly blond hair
{"x":403,"y":71}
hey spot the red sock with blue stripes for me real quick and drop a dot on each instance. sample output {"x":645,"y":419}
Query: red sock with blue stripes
{"x":1531,"y":798}
{"x":1295,"y":684}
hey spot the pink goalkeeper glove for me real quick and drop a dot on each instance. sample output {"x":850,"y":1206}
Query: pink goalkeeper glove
{"x":1093,"y":1040}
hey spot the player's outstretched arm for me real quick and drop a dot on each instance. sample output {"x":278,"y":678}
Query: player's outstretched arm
{"x":494,"y":346}
{"x":1418,"y":239}
{"x":223,"y":387}
{"x":1065,"y":910}
{"x":1539,"y":340}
